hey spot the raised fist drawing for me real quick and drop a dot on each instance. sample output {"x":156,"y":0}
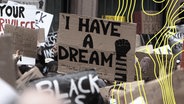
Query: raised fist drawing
{"x":122,"y":47}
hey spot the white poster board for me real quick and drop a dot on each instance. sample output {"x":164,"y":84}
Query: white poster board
{"x":43,"y":20}
{"x":17,"y":15}
{"x":163,"y":50}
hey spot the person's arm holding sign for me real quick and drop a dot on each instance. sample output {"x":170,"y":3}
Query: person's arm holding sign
{"x":16,"y":58}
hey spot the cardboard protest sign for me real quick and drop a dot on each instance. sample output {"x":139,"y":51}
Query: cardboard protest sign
{"x":17,"y":15}
{"x":43,"y":20}
{"x":24,"y":39}
{"x":114,"y":92}
{"x":96,"y":43}
{"x":75,"y":88}
{"x":7,"y":70}
{"x":153,"y":90}
{"x":99,"y":62}
{"x":41,"y":35}
{"x":182,"y":59}
{"x":139,"y":100}
{"x":138,"y":41}
{"x":26,"y":77}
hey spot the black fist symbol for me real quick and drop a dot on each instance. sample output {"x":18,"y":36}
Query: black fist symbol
{"x":122,"y":47}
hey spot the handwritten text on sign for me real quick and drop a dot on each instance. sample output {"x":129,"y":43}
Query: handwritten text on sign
{"x":43,"y":20}
{"x":75,"y":88}
{"x":18,"y":15}
{"x":85,"y":42}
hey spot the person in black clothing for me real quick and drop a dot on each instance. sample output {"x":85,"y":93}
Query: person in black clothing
{"x":41,"y":63}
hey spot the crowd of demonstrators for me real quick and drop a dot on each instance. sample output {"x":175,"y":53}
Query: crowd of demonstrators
{"x":48,"y":66}
{"x":44,"y":64}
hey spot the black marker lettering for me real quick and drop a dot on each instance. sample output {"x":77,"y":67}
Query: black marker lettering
{"x":95,"y":26}
{"x":73,"y":54}
{"x":88,"y":41}
{"x":114,"y":29}
{"x":106,"y":60}
{"x":8,"y":11}
{"x":1,"y":8}
{"x":67,"y":22}
{"x":61,"y":56}
{"x":82,"y":56}
{"x":21,"y":10}
{"x":85,"y":25}
{"x":15,"y":12}
{"x":94,"y":58}
{"x":105,"y":28}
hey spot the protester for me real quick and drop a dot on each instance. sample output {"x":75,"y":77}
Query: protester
{"x":16,"y":58}
{"x":44,"y":63}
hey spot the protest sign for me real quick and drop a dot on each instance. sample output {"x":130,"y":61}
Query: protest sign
{"x":153,"y":92}
{"x":98,"y":42}
{"x":26,"y":77}
{"x":138,"y":41}
{"x":51,"y":39}
{"x":24,"y":39}
{"x":176,"y":40}
{"x":163,"y":50}
{"x":41,"y":35}
{"x":7,"y":70}
{"x":26,"y":61}
{"x":75,"y":88}
{"x":145,"y":49}
{"x":17,"y":15}
{"x":103,"y":60}
{"x":117,"y":91}
{"x":43,"y":20}
{"x":139,"y":100}
{"x":48,"y":53}
{"x":48,"y":50}
{"x":182,"y":59}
